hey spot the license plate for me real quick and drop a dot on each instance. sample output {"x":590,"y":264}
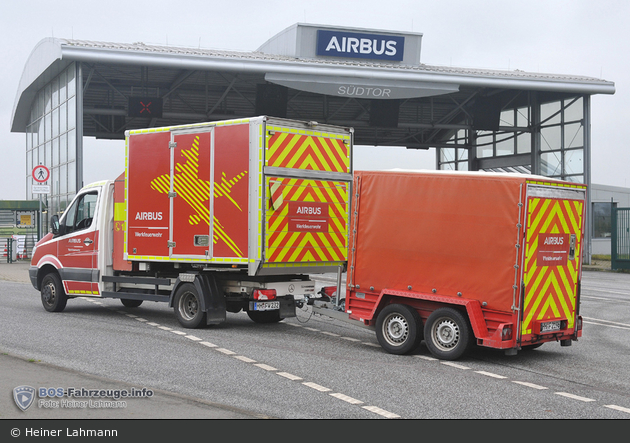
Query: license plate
{"x":266,"y":306}
{"x":550,"y":326}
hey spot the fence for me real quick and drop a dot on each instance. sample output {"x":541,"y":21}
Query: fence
{"x":17,"y":247}
{"x":620,"y":239}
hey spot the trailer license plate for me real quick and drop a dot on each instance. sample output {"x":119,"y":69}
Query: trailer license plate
{"x":550,"y":326}
{"x":266,"y":306}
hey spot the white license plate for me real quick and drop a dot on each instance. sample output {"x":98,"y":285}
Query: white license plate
{"x":266,"y":306}
{"x":550,"y":326}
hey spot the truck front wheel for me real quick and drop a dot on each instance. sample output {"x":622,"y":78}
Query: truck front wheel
{"x":54,"y":298}
{"x":187,"y":306}
{"x":398,"y":329}
{"x":447,"y":334}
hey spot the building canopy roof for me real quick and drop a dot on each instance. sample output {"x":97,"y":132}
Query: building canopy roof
{"x":306,"y":72}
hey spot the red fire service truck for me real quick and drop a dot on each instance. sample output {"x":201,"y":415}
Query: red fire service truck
{"x":464,"y":258}
{"x":211,"y":218}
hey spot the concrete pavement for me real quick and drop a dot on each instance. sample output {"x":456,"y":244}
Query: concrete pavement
{"x":16,"y":371}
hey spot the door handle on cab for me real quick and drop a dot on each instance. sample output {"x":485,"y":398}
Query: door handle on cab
{"x":88,"y":241}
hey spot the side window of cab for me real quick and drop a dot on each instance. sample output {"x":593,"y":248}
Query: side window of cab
{"x":79,"y":215}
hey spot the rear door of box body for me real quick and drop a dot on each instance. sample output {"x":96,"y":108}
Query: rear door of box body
{"x":554,"y":222}
{"x":307,"y":183}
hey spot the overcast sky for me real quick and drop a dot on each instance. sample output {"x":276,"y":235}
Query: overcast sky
{"x":577,"y":37}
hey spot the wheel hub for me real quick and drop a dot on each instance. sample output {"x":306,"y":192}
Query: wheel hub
{"x":447,"y":334}
{"x":397,"y":329}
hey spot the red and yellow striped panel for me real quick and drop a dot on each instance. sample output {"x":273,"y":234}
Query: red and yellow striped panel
{"x":306,"y":221}
{"x":308,"y":150}
{"x":550,"y":290}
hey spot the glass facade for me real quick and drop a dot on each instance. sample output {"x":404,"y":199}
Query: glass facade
{"x":560,"y":136}
{"x":51,"y":140}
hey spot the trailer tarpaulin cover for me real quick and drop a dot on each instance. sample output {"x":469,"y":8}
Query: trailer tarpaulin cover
{"x":455,"y":233}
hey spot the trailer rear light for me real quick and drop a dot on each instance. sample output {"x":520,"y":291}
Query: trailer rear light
{"x":264,"y":294}
{"x":579,"y":323}
{"x":506,"y":332}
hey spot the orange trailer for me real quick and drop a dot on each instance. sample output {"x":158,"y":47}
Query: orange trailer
{"x":459,"y":259}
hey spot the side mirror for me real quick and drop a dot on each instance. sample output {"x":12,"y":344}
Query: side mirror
{"x":54,"y":224}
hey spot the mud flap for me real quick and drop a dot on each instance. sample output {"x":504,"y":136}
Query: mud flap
{"x":210,"y":297}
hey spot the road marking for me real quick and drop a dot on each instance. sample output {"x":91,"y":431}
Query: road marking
{"x":455,"y":365}
{"x":618,"y":408}
{"x":529,"y":385}
{"x":265,"y":367}
{"x":225,"y":351}
{"x":311,"y":329}
{"x":245,"y":359}
{"x":131,"y":315}
{"x":193,"y":338}
{"x":179,"y":332}
{"x":208,"y":344}
{"x":320,"y":388}
{"x":345,"y":398}
{"x":166,"y":328}
{"x":141,"y":319}
{"x":350,"y":339}
{"x":490,"y":374}
{"x":574,"y":397}
{"x":332,"y":334}
{"x":289,"y":376}
{"x":150,"y":323}
{"x":382,"y":412}
{"x":426,"y":357}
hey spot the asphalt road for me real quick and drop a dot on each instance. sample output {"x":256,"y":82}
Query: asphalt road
{"x":310,"y":367}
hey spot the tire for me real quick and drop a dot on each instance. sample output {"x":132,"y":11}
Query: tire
{"x":448,"y":334}
{"x":265,"y":316}
{"x":54,"y":298}
{"x":399,"y":329}
{"x":131,"y":303}
{"x":187,"y":307}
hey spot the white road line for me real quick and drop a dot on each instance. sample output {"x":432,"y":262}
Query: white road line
{"x":166,"y":328}
{"x":245,"y":359}
{"x":345,"y":398}
{"x":131,"y":315}
{"x":311,"y":329}
{"x":455,"y":365}
{"x":141,"y":319}
{"x":265,"y":367}
{"x":225,"y":351}
{"x":289,"y":376}
{"x":320,"y":388}
{"x":150,"y":323}
{"x":179,"y":332}
{"x":426,"y":357}
{"x":529,"y":385}
{"x":332,"y":334}
{"x":382,"y":412}
{"x":193,"y":338}
{"x":574,"y":397}
{"x":208,"y":344}
{"x":490,"y":374}
{"x":618,"y":408}
{"x":350,"y":339}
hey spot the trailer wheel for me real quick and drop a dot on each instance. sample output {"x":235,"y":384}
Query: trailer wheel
{"x":130,"y":303}
{"x":187,"y":306}
{"x":54,"y":298}
{"x":265,"y":316}
{"x":448,"y":334}
{"x":398,"y":329}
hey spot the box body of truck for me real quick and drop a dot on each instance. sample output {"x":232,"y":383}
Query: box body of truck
{"x":501,"y":251}
{"x":233,"y":209}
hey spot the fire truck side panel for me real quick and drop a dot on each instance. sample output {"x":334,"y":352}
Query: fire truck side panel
{"x":148,"y":204}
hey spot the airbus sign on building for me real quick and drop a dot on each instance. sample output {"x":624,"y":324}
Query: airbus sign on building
{"x":360,"y":45}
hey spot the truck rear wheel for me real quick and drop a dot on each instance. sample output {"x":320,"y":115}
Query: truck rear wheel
{"x":54,"y":298}
{"x":448,"y":334}
{"x":398,"y":329}
{"x":187,"y":306}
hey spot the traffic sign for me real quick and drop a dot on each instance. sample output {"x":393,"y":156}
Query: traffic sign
{"x":41,"y":174}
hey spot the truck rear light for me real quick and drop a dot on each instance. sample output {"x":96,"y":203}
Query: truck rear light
{"x":579,"y":323}
{"x":264,"y":294}
{"x":506,"y":332}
